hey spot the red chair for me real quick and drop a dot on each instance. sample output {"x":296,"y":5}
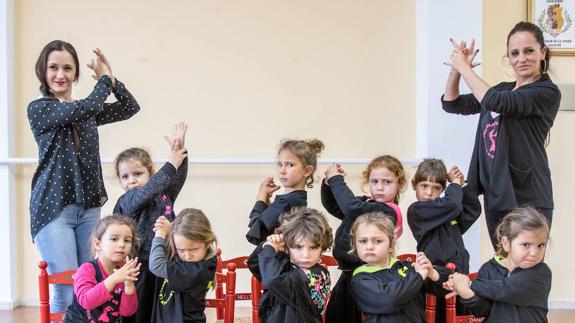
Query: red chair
{"x":226,"y":303}
{"x":430,"y":299}
{"x":451,"y":313}
{"x":254,"y":295}
{"x":44,"y":281}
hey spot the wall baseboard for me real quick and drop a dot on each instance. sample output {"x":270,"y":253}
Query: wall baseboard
{"x":562,"y":305}
{"x":10,"y":305}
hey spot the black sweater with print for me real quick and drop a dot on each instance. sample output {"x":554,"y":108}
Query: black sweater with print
{"x":393,"y":294}
{"x":340,"y":202}
{"x":292,"y":295}
{"x":438,"y":225}
{"x":516,"y":297}
{"x":146,"y":204}
{"x":181,"y":294}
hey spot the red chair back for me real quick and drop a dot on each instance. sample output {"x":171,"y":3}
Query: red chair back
{"x":451,"y":312}
{"x":44,"y":281}
{"x":226,"y":303}
{"x":254,"y":295}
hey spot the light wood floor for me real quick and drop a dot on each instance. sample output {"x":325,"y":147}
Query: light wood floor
{"x":30,"y":314}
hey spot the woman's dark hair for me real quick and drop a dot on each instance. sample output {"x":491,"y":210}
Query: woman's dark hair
{"x":538,"y":34}
{"x":43,"y":61}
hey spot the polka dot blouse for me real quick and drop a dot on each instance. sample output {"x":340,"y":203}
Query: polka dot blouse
{"x":69,"y":169}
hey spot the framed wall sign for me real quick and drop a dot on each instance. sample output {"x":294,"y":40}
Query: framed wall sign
{"x":555,"y":18}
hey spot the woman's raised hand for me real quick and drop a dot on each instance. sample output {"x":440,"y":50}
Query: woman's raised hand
{"x":101,"y":66}
{"x":462,"y":56}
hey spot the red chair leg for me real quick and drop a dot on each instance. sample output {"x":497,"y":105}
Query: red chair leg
{"x":256,"y":295}
{"x":450,"y":311}
{"x":230,"y":293}
{"x":430,"y":307}
{"x":44,"y":293}
{"x":219,"y":288}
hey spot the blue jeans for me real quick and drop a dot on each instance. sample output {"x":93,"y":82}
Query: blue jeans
{"x":64,"y":244}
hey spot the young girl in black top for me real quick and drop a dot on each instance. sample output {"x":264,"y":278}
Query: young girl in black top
{"x":514,"y":286}
{"x":297,"y":162}
{"x":385,"y":177}
{"x":187,"y":266}
{"x":148,"y":196}
{"x":297,"y":286}
{"x":385,"y":289}
{"x":439,"y":222}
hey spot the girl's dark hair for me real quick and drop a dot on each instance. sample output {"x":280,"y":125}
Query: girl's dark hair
{"x":41,"y":63}
{"x":538,"y":34}
{"x":393,"y":165}
{"x":192,"y":224}
{"x":519,"y":219}
{"x":381,"y":221}
{"x":306,"y":150}
{"x":307,"y":223}
{"x":118,"y":219}
{"x":431,"y":169}
{"x":138,"y":154}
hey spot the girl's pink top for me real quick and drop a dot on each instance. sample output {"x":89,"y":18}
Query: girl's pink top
{"x":91,"y":294}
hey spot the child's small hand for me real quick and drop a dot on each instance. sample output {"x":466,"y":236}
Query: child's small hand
{"x":276,"y":241}
{"x":178,"y":139}
{"x":461,"y":285}
{"x":267,"y":188}
{"x":162,"y":227}
{"x":432,"y":274}
{"x":455,"y":176}
{"x":334,"y":169}
{"x":128,"y":272}
{"x":448,"y":284}
{"x":129,"y":286}
{"x":177,"y":157}
{"x":422,"y":265}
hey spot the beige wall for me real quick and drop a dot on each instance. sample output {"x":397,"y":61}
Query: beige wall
{"x":243,"y":76}
{"x":501,"y":16}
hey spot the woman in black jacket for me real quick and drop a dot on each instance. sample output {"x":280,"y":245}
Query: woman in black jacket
{"x":509,"y":164}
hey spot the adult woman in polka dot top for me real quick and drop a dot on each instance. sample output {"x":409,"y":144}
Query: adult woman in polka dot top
{"x":67,"y":187}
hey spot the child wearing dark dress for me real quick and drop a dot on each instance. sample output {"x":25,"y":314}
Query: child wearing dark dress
{"x":183,"y":257}
{"x":297,"y":285}
{"x":296,"y":164}
{"x":385,"y":177}
{"x":439,"y":222}
{"x":513,"y":286}
{"x":385,"y":289}
{"x":148,"y":196}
